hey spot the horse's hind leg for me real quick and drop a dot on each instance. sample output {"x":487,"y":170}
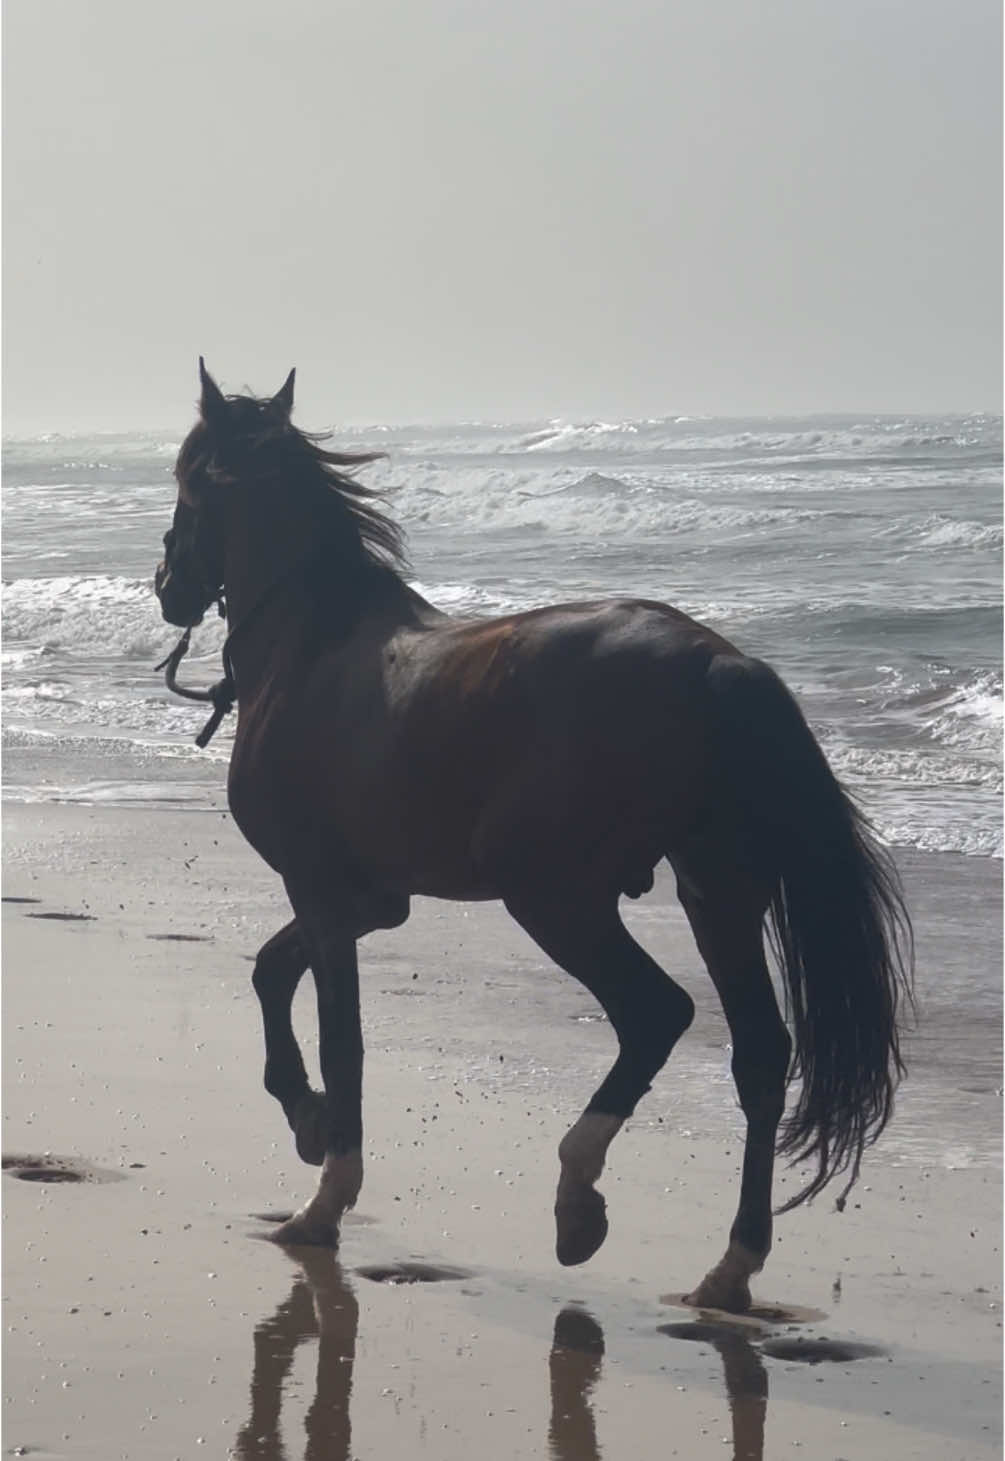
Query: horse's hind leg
{"x":649,"y":1013}
{"x":279,"y":967}
{"x":729,"y":935}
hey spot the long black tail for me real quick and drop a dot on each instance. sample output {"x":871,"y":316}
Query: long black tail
{"x":838,"y":924}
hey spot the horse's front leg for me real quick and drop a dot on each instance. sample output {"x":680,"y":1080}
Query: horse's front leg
{"x":330,"y":943}
{"x":279,"y":967}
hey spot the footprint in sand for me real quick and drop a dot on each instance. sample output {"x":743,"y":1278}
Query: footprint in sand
{"x":397,"y":1273}
{"x":182,"y":938}
{"x":815,"y":1351}
{"x":65,"y":917}
{"x":50,"y":1169}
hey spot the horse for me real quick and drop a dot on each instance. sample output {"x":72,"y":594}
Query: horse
{"x":548,"y":759}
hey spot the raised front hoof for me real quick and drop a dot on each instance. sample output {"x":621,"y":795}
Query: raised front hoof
{"x":310,"y":1128}
{"x":730,"y":1293}
{"x":581,"y":1226}
{"x":304,"y":1231}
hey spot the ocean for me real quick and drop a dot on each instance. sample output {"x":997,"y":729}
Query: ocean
{"x":860,"y":556}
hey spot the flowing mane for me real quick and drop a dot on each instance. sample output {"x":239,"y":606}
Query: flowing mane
{"x":262,"y":441}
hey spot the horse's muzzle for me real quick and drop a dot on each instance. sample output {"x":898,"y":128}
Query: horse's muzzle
{"x":180,"y":604}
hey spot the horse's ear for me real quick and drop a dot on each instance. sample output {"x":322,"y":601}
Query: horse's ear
{"x":283,"y":399}
{"x":212,"y":405}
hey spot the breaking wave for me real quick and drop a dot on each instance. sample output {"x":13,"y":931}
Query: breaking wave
{"x":861,"y":556}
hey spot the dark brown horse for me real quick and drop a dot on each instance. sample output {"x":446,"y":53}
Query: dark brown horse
{"x":548,"y":759}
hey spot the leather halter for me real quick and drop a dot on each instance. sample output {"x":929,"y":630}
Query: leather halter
{"x":223,"y":694}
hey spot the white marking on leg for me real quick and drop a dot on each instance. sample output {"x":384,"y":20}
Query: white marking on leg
{"x":739,"y":1261}
{"x":580,"y":1211}
{"x":583,"y":1149}
{"x":318,"y":1221}
{"x":341,"y":1179}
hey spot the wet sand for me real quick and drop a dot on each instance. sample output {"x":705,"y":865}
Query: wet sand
{"x":145,"y":1318}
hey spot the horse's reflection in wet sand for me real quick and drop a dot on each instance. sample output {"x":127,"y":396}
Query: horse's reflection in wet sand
{"x":574,"y":1365}
{"x":746,"y":1381}
{"x":747,"y":1388}
{"x":322,"y":1307}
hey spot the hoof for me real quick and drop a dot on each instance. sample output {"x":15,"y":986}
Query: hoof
{"x":310,"y":1127}
{"x":731,"y":1295}
{"x":581,"y":1225}
{"x":727,"y":1285}
{"x":303,"y":1231}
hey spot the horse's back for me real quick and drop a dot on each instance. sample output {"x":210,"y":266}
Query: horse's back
{"x":573,"y":736}
{"x":553,"y":649}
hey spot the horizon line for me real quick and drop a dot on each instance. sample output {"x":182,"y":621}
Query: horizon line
{"x":71,"y":433}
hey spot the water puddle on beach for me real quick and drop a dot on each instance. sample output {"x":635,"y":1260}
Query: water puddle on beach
{"x":759,"y":1317}
{"x":801,"y":1348}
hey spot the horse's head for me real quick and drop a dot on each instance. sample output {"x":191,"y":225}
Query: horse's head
{"x":190,"y":577}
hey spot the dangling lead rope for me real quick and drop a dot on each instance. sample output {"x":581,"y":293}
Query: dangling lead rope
{"x":222,"y":696}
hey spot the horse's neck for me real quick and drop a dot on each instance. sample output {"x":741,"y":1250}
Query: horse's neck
{"x":302,"y":599}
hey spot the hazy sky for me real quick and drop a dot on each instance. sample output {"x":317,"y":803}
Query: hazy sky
{"x":500,"y":208}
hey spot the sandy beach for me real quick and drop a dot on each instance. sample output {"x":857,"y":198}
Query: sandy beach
{"x":144,"y":1318}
